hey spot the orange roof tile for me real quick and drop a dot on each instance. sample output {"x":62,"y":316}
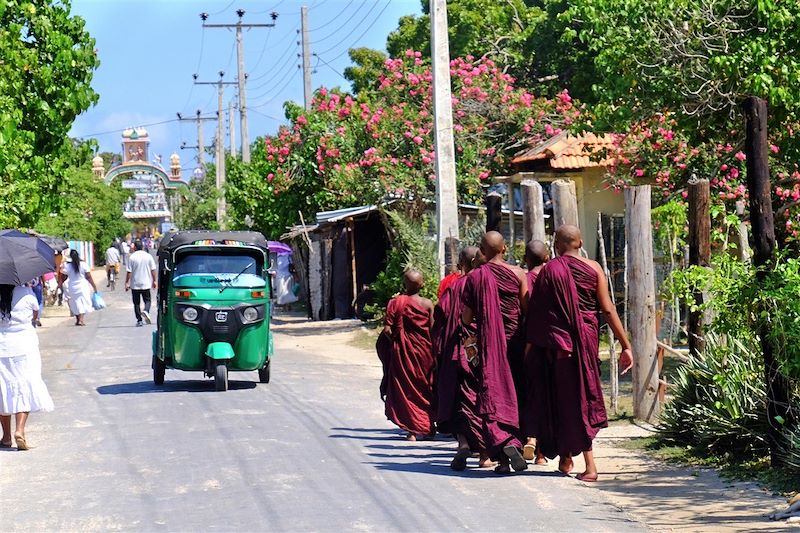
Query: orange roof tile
{"x":566,"y":152}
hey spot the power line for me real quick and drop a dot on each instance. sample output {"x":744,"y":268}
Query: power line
{"x":386,"y":5}
{"x":286,"y":74}
{"x":331,"y":21}
{"x":263,"y":49}
{"x":109,"y":132}
{"x":270,"y":10}
{"x":223,"y":10}
{"x":286,"y":50}
{"x":277,"y":93}
{"x":330,"y":67}
{"x":355,"y":28}
{"x":257,"y":112}
{"x":275,"y":73}
{"x":197,"y":68}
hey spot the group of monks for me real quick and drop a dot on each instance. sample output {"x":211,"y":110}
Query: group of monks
{"x":507,"y":361}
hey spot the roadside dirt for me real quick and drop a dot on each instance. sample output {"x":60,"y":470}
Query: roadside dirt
{"x":662,"y":496}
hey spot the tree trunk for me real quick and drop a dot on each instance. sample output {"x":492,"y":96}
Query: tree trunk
{"x":532,"y":211}
{"x":565,"y":203}
{"x":642,"y":306}
{"x":699,"y":253}
{"x":494,"y":212}
{"x":763,"y":224}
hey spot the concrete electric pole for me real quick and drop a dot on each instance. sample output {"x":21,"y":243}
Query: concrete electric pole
{"x":220,"y":145}
{"x":445,"y":166}
{"x":307,"y":94}
{"x":241,"y":75}
{"x":232,"y":128}
{"x":198,"y":120}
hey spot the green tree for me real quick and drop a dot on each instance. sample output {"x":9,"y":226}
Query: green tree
{"x":87,"y":209}
{"x":47,"y":60}
{"x":198,"y":209}
{"x":367,"y":67}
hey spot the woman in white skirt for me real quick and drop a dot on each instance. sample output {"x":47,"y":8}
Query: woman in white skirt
{"x":22,"y":390}
{"x":79,"y":287}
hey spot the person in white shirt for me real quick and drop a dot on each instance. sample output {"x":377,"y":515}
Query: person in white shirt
{"x":125,"y":249}
{"x":112,"y":262}
{"x":140,"y":279}
{"x":22,"y":390}
{"x":79,"y":287}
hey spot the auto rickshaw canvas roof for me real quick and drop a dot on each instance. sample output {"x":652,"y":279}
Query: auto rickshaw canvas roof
{"x":174,"y":240}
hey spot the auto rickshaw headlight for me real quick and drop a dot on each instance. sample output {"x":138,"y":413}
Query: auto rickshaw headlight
{"x":190,"y":314}
{"x":250,"y":314}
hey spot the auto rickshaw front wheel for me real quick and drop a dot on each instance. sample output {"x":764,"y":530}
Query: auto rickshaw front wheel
{"x":221,"y":376}
{"x":159,"y":369}
{"x":263,"y":373}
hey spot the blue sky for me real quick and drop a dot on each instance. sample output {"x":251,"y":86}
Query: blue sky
{"x":149,"y":50}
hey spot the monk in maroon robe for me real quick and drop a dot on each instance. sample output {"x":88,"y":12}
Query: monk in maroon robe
{"x":448,"y":280}
{"x":495,"y":296}
{"x":456,"y":411}
{"x":536,"y":255}
{"x":404,"y":348}
{"x":562,"y":359}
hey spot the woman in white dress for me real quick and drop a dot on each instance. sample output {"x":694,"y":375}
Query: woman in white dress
{"x":79,"y":287}
{"x":22,"y":390}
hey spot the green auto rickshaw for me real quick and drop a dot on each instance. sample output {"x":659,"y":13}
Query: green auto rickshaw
{"x":213,"y":301}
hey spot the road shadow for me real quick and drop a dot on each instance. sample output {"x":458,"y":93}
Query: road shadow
{"x":147,"y":387}
{"x":436,"y":467}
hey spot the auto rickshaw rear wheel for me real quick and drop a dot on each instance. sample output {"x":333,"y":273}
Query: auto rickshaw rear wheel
{"x":221,"y":376}
{"x":159,"y":369}
{"x":263,"y":373}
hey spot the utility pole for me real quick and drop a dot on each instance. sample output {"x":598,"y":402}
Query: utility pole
{"x":306,"y":57}
{"x":446,"y":199}
{"x":201,"y":147}
{"x":220,"y":142}
{"x":232,"y":128}
{"x":241,"y":76}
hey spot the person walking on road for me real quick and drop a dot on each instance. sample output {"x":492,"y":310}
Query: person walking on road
{"x":22,"y":390}
{"x":140,"y":279}
{"x":79,"y":285}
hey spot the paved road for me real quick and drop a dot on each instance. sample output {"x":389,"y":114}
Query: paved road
{"x":309,"y":451}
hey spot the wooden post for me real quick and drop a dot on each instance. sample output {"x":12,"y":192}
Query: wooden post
{"x":565,"y":203}
{"x":512,"y":227}
{"x":642,"y":304}
{"x":744,"y":241}
{"x":532,"y":211}
{"x":612,"y":349}
{"x":763,"y":224}
{"x":699,"y":252}
{"x":494,"y":212}
{"x":450,"y":255}
{"x":351,"y":229}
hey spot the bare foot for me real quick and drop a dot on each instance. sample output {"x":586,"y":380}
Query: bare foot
{"x":485,"y":462}
{"x":565,"y":465}
{"x":411,"y":437}
{"x":540,"y":459}
{"x":589,"y":477}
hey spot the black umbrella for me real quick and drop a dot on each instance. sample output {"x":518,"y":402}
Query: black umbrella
{"x":23,"y":257}
{"x":56,"y":243}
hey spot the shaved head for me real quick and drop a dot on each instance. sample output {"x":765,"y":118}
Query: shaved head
{"x":492,"y":245}
{"x":466,"y":258}
{"x":536,"y":253}
{"x":413,"y":281}
{"x":568,"y":238}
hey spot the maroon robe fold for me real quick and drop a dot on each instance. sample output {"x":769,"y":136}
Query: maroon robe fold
{"x":496,"y":400}
{"x":531,"y":276}
{"x":508,"y":286}
{"x":408,"y":366}
{"x":448,"y":351}
{"x":562,"y":365}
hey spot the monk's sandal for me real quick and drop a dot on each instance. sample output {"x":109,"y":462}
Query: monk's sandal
{"x":518,"y":463}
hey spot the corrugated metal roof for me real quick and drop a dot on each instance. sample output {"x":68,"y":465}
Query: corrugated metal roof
{"x":568,"y":152}
{"x":341,"y":214}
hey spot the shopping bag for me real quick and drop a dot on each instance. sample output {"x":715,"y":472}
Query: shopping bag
{"x":97,"y":301}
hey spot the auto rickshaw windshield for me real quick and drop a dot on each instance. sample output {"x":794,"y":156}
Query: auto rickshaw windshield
{"x":237,"y":270}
